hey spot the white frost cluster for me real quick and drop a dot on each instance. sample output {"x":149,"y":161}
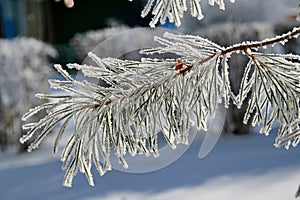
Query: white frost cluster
{"x":226,"y":34}
{"x":175,"y":9}
{"x":143,"y":97}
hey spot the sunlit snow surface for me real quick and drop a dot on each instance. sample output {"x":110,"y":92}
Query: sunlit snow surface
{"x":246,"y":167}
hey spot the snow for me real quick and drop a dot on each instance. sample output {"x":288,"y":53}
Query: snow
{"x":245,"y":167}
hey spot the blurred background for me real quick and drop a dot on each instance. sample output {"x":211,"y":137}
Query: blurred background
{"x":51,"y":21}
{"x":35,"y":34}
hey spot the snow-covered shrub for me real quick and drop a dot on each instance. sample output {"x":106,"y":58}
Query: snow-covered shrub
{"x":124,"y":46}
{"x":24,"y":70}
{"x":85,"y":42}
{"x":230,"y":33}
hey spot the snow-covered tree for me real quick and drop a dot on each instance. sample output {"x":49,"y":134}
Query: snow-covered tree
{"x":169,"y":94}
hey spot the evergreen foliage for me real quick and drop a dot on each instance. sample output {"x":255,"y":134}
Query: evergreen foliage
{"x":171,"y":95}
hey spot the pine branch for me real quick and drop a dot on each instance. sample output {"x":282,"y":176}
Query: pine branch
{"x":254,"y":45}
{"x":144,"y":97}
{"x":175,"y":9}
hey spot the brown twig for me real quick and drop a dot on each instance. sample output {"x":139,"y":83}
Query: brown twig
{"x":252,"y":45}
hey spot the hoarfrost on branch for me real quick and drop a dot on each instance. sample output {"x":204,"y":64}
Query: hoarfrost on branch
{"x":173,"y":10}
{"x":141,"y":97}
{"x":165,"y":94}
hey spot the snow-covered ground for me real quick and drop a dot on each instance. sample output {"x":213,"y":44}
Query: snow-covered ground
{"x":238,"y":168}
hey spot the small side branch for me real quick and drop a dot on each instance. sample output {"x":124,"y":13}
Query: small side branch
{"x":252,"y":45}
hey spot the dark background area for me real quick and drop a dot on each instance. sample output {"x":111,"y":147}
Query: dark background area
{"x":53,"y":22}
{"x":93,"y":14}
